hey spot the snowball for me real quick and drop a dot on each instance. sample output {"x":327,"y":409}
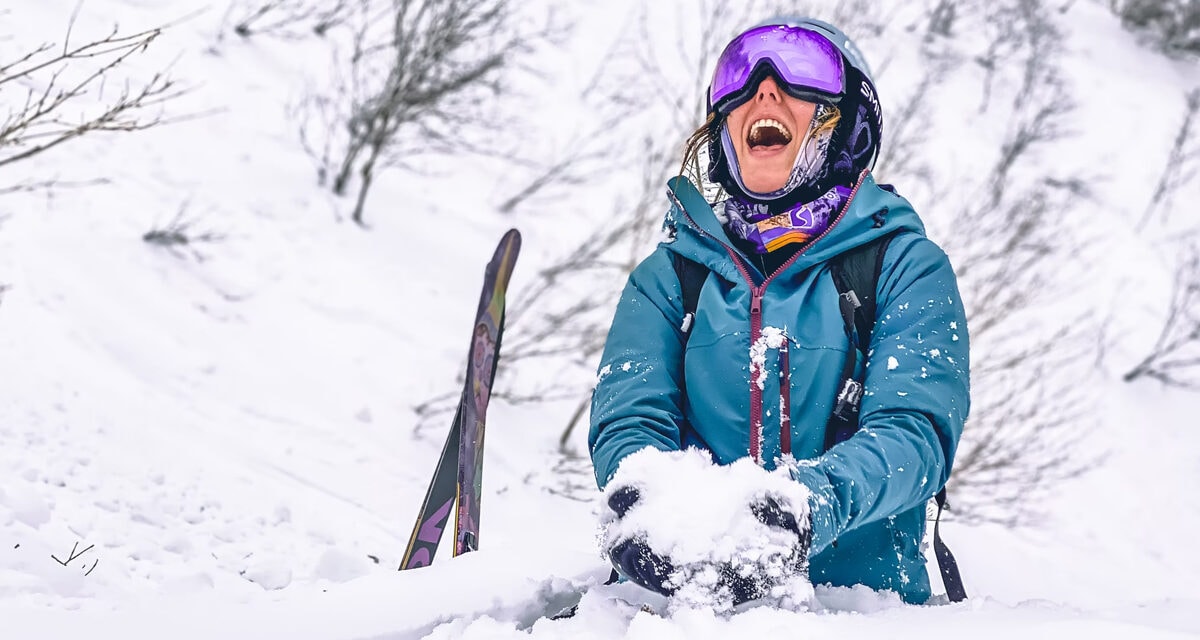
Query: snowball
{"x":697,"y":514}
{"x":893,"y":363}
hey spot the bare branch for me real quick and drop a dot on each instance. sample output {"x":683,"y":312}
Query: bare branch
{"x":39,"y":123}
{"x":289,"y":19}
{"x":1177,"y":171}
{"x":49,"y":185}
{"x":1175,"y":358}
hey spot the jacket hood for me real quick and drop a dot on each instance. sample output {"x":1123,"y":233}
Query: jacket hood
{"x":694,"y":231}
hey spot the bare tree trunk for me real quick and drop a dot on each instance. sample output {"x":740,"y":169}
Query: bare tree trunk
{"x":368,"y":175}
{"x":346,"y":168}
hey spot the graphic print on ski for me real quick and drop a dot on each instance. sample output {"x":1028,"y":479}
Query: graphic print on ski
{"x":443,"y":487}
{"x":481,"y":370}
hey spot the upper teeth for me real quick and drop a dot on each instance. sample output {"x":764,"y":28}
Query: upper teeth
{"x":768,"y":122}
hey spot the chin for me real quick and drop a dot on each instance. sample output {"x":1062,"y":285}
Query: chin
{"x":765,"y":185}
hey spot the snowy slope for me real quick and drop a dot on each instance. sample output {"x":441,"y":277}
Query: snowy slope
{"x":228,"y":433}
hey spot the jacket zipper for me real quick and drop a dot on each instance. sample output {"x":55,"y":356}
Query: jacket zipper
{"x":756,"y":411}
{"x":756,"y":296}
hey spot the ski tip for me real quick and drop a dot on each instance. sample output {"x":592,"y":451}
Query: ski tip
{"x":512,"y":236}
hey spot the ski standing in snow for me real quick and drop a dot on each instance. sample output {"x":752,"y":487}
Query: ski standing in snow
{"x":458,"y":476}
{"x":786,"y":377}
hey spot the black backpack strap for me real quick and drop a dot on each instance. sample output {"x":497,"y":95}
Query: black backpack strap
{"x":691,"y":276}
{"x":951,"y":578}
{"x":856,"y":274}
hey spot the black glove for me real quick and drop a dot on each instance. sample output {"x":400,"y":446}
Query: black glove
{"x":769,"y":512}
{"x":632,"y":557}
{"x":755,"y":585}
{"x":623,"y":499}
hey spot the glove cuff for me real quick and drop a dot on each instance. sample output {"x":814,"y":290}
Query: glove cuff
{"x":823,"y":506}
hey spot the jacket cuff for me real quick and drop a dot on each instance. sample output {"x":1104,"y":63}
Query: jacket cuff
{"x":822,"y":504}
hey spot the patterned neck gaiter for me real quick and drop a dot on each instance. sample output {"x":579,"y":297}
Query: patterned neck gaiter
{"x":767,"y":232}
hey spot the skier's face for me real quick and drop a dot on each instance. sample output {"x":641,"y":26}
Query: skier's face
{"x":767,"y":132}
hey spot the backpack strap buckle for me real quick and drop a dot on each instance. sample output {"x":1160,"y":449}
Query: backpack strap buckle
{"x":849,"y":398}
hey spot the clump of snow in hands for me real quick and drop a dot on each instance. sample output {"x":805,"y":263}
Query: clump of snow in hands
{"x":697,"y":515}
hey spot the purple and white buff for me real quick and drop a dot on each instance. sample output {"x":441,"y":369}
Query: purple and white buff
{"x":803,"y":222}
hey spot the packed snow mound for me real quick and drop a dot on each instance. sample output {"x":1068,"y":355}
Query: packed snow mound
{"x":697,"y":515}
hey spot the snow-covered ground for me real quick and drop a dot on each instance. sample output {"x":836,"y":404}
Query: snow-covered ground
{"x":225,"y":435}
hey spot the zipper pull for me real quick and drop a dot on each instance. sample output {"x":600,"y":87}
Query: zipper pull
{"x":756,"y":295}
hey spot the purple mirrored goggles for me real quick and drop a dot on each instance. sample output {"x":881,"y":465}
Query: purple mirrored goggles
{"x":808,"y":64}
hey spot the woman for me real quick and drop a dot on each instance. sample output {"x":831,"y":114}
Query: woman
{"x":793,"y":130}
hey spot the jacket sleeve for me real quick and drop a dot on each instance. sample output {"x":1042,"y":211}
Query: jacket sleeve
{"x":638,"y":396}
{"x":916,"y":399}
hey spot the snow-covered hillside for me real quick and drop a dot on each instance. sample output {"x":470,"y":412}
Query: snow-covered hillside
{"x":219,"y":440}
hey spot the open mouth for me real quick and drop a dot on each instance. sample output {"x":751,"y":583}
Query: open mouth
{"x":767,"y":133}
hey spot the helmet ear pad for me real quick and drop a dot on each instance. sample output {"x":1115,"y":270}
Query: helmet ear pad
{"x":855,"y":142}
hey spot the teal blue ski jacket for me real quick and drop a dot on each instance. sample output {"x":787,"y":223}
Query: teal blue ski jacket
{"x":657,"y":388}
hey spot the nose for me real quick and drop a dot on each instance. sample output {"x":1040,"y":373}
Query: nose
{"x":768,"y":89}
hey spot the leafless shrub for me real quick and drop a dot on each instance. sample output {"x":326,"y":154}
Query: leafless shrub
{"x":1028,"y":407}
{"x":182,"y":233}
{"x":63,"y":93}
{"x":418,"y":80}
{"x":1179,"y":168}
{"x":1175,"y":358}
{"x":1174,"y":24}
{"x":289,"y":19}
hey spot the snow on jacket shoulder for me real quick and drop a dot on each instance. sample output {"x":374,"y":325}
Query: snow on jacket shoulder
{"x":870,"y":490}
